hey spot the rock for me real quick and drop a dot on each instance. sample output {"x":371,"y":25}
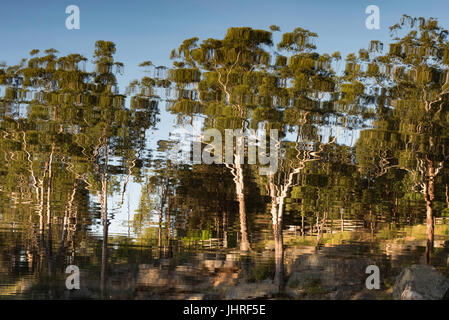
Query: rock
{"x":409,"y":294}
{"x":312,"y":277}
{"x":309,"y":283}
{"x":302,"y":279}
{"x":420,"y":282}
{"x":229,"y":264}
{"x":152,"y":277}
{"x":232,"y":257}
{"x":246,"y":291}
{"x":211,"y":265}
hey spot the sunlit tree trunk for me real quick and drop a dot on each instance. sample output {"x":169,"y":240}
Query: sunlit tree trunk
{"x":371,"y":221}
{"x":276,"y":214}
{"x":342,"y":220}
{"x":168,"y":222}
{"x":429,"y":197}
{"x":161,"y":212}
{"x":278,"y":256}
{"x":105,"y":222}
{"x":159,"y":242}
{"x":303,"y":232}
{"x":169,"y":226}
{"x":225,"y":229}
{"x":49,"y":252}
{"x":320,"y":227}
{"x":240,"y":186}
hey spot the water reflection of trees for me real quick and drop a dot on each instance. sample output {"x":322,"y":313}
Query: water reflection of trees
{"x":69,"y":141}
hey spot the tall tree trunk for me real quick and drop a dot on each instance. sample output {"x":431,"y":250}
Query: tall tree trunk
{"x":225,"y":229}
{"x":429,"y":196}
{"x":303,"y":232}
{"x":240,"y":187}
{"x":50,"y":261}
{"x":41,"y":227}
{"x":104,"y":247}
{"x":169,"y":227}
{"x":278,"y":257}
{"x":276,"y":214}
{"x":320,"y":227}
{"x":168,"y":221}
{"x":159,"y":242}
{"x":161,"y":212}
{"x":342,"y":220}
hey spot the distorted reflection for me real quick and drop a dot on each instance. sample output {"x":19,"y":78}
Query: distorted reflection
{"x":361,"y":175}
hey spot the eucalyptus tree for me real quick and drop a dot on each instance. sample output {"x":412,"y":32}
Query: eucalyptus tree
{"x":238,"y":82}
{"x":217,"y":79}
{"x":297,"y":97}
{"x":415,"y":76}
{"x":65,"y":123}
{"x":111,"y":130}
{"x":39,"y":120}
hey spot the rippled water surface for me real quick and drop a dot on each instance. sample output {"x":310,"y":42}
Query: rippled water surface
{"x":351,"y":169}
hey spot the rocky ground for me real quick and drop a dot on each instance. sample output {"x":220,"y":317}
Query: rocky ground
{"x":331,"y":273}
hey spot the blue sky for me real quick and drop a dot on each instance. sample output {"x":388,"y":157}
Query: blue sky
{"x":149,"y":29}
